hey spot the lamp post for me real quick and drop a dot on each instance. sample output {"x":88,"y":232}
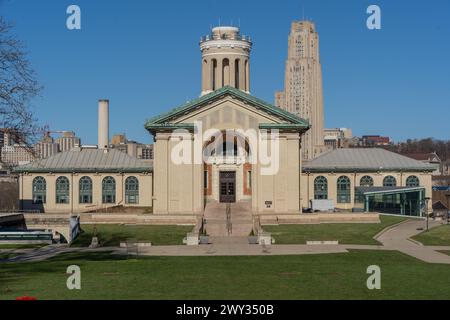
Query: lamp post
{"x":426,"y":208}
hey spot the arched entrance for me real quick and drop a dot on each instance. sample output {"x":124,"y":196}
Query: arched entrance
{"x":227,"y":167}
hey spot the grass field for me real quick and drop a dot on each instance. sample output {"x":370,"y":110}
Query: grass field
{"x":346,"y":233}
{"x":439,"y":236}
{"x":330,"y":276}
{"x":21,"y":246}
{"x":113,"y":234}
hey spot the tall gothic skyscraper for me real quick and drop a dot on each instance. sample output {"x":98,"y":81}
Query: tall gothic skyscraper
{"x":302,"y":93}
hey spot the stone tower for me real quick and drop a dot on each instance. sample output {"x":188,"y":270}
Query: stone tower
{"x":225,"y":60}
{"x":302,"y":93}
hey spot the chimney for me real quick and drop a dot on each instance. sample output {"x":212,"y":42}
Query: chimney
{"x":103,"y":124}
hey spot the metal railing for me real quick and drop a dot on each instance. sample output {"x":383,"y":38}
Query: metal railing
{"x":229,"y":225}
{"x":225,"y":37}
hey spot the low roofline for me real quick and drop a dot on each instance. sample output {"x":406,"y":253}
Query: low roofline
{"x":353,"y":170}
{"x":83,"y":170}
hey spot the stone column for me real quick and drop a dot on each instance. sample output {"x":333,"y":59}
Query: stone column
{"x":247,"y":76}
{"x":219,"y":83}
{"x":232,"y":73}
{"x":241,"y":75}
{"x":160,"y":173}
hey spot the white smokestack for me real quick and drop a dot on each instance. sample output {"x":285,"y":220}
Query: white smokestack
{"x":103,"y":124}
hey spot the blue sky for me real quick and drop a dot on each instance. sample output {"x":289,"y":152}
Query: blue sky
{"x":144,"y":57}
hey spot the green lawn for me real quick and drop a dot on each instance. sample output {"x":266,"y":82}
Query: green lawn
{"x":113,"y":234}
{"x":345,"y":233}
{"x":8,"y":255}
{"x":21,"y":246}
{"x":326,"y":276}
{"x":439,"y":236}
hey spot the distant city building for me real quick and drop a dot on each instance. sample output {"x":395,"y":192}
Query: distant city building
{"x":46,"y":147}
{"x":67,"y":141}
{"x":337,"y":138}
{"x":7,"y":137}
{"x":302,"y":93}
{"x":132,"y":148}
{"x":375,"y":141}
{"x":17,"y":155}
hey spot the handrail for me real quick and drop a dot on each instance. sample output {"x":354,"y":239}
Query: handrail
{"x":229,"y":225}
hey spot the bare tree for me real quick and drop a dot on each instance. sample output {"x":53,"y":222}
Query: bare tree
{"x":18,"y":85}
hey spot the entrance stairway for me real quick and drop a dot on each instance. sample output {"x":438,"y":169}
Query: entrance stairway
{"x":228,"y":219}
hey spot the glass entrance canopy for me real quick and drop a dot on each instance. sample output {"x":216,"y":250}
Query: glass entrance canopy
{"x":408,"y":201}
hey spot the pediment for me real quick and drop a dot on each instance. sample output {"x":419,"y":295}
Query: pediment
{"x":227,"y":108}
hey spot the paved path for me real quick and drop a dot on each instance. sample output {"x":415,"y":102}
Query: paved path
{"x":395,"y":238}
{"x":399,"y":236}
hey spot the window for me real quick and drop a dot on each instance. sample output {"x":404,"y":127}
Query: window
{"x":249,"y":179}
{"x":320,"y":188}
{"x":389,"y":181}
{"x":85,"y":190}
{"x":39,"y":190}
{"x":412,"y":181}
{"x":205,"y":179}
{"x":62,"y":190}
{"x":109,"y":190}
{"x":131,"y":190}
{"x":343,"y":190}
{"x":366,"y":181}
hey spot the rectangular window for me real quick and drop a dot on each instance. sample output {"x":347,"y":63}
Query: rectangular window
{"x":205,"y":179}
{"x":249,"y":179}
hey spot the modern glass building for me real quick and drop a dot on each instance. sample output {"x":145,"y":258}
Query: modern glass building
{"x":408,"y":201}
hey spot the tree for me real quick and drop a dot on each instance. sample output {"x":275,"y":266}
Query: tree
{"x":18,"y":86}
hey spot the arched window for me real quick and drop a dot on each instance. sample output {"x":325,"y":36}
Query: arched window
{"x":214,"y":74}
{"x":343,"y":189}
{"x":85,"y":190}
{"x":39,"y":190}
{"x":389,"y":181}
{"x":109,"y":190}
{"x":131,"y":190}
{"x":366,"y":181}
{"x":412,"y":181}
{"x":62,"y":190}
{"x":320,"y":188}
{"x":225,"y":72}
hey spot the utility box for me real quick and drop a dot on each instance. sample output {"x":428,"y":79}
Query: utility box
{"x":322,"y":205}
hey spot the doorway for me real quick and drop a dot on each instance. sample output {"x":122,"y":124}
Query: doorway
{"x":227,"y":184}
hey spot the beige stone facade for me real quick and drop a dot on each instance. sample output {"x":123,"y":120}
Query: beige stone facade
{"x":183,"y":188}
{"x":73,"y":203}
{"x":308,"y":179}
{"x":225,"y":60}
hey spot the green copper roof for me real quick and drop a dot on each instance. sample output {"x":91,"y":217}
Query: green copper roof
{"x":88,"y":160}
{"x":156,"y":122}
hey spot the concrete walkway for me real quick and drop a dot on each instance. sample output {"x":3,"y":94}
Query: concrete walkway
{"x":399,"y":236}
{"x":393,"y":238}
